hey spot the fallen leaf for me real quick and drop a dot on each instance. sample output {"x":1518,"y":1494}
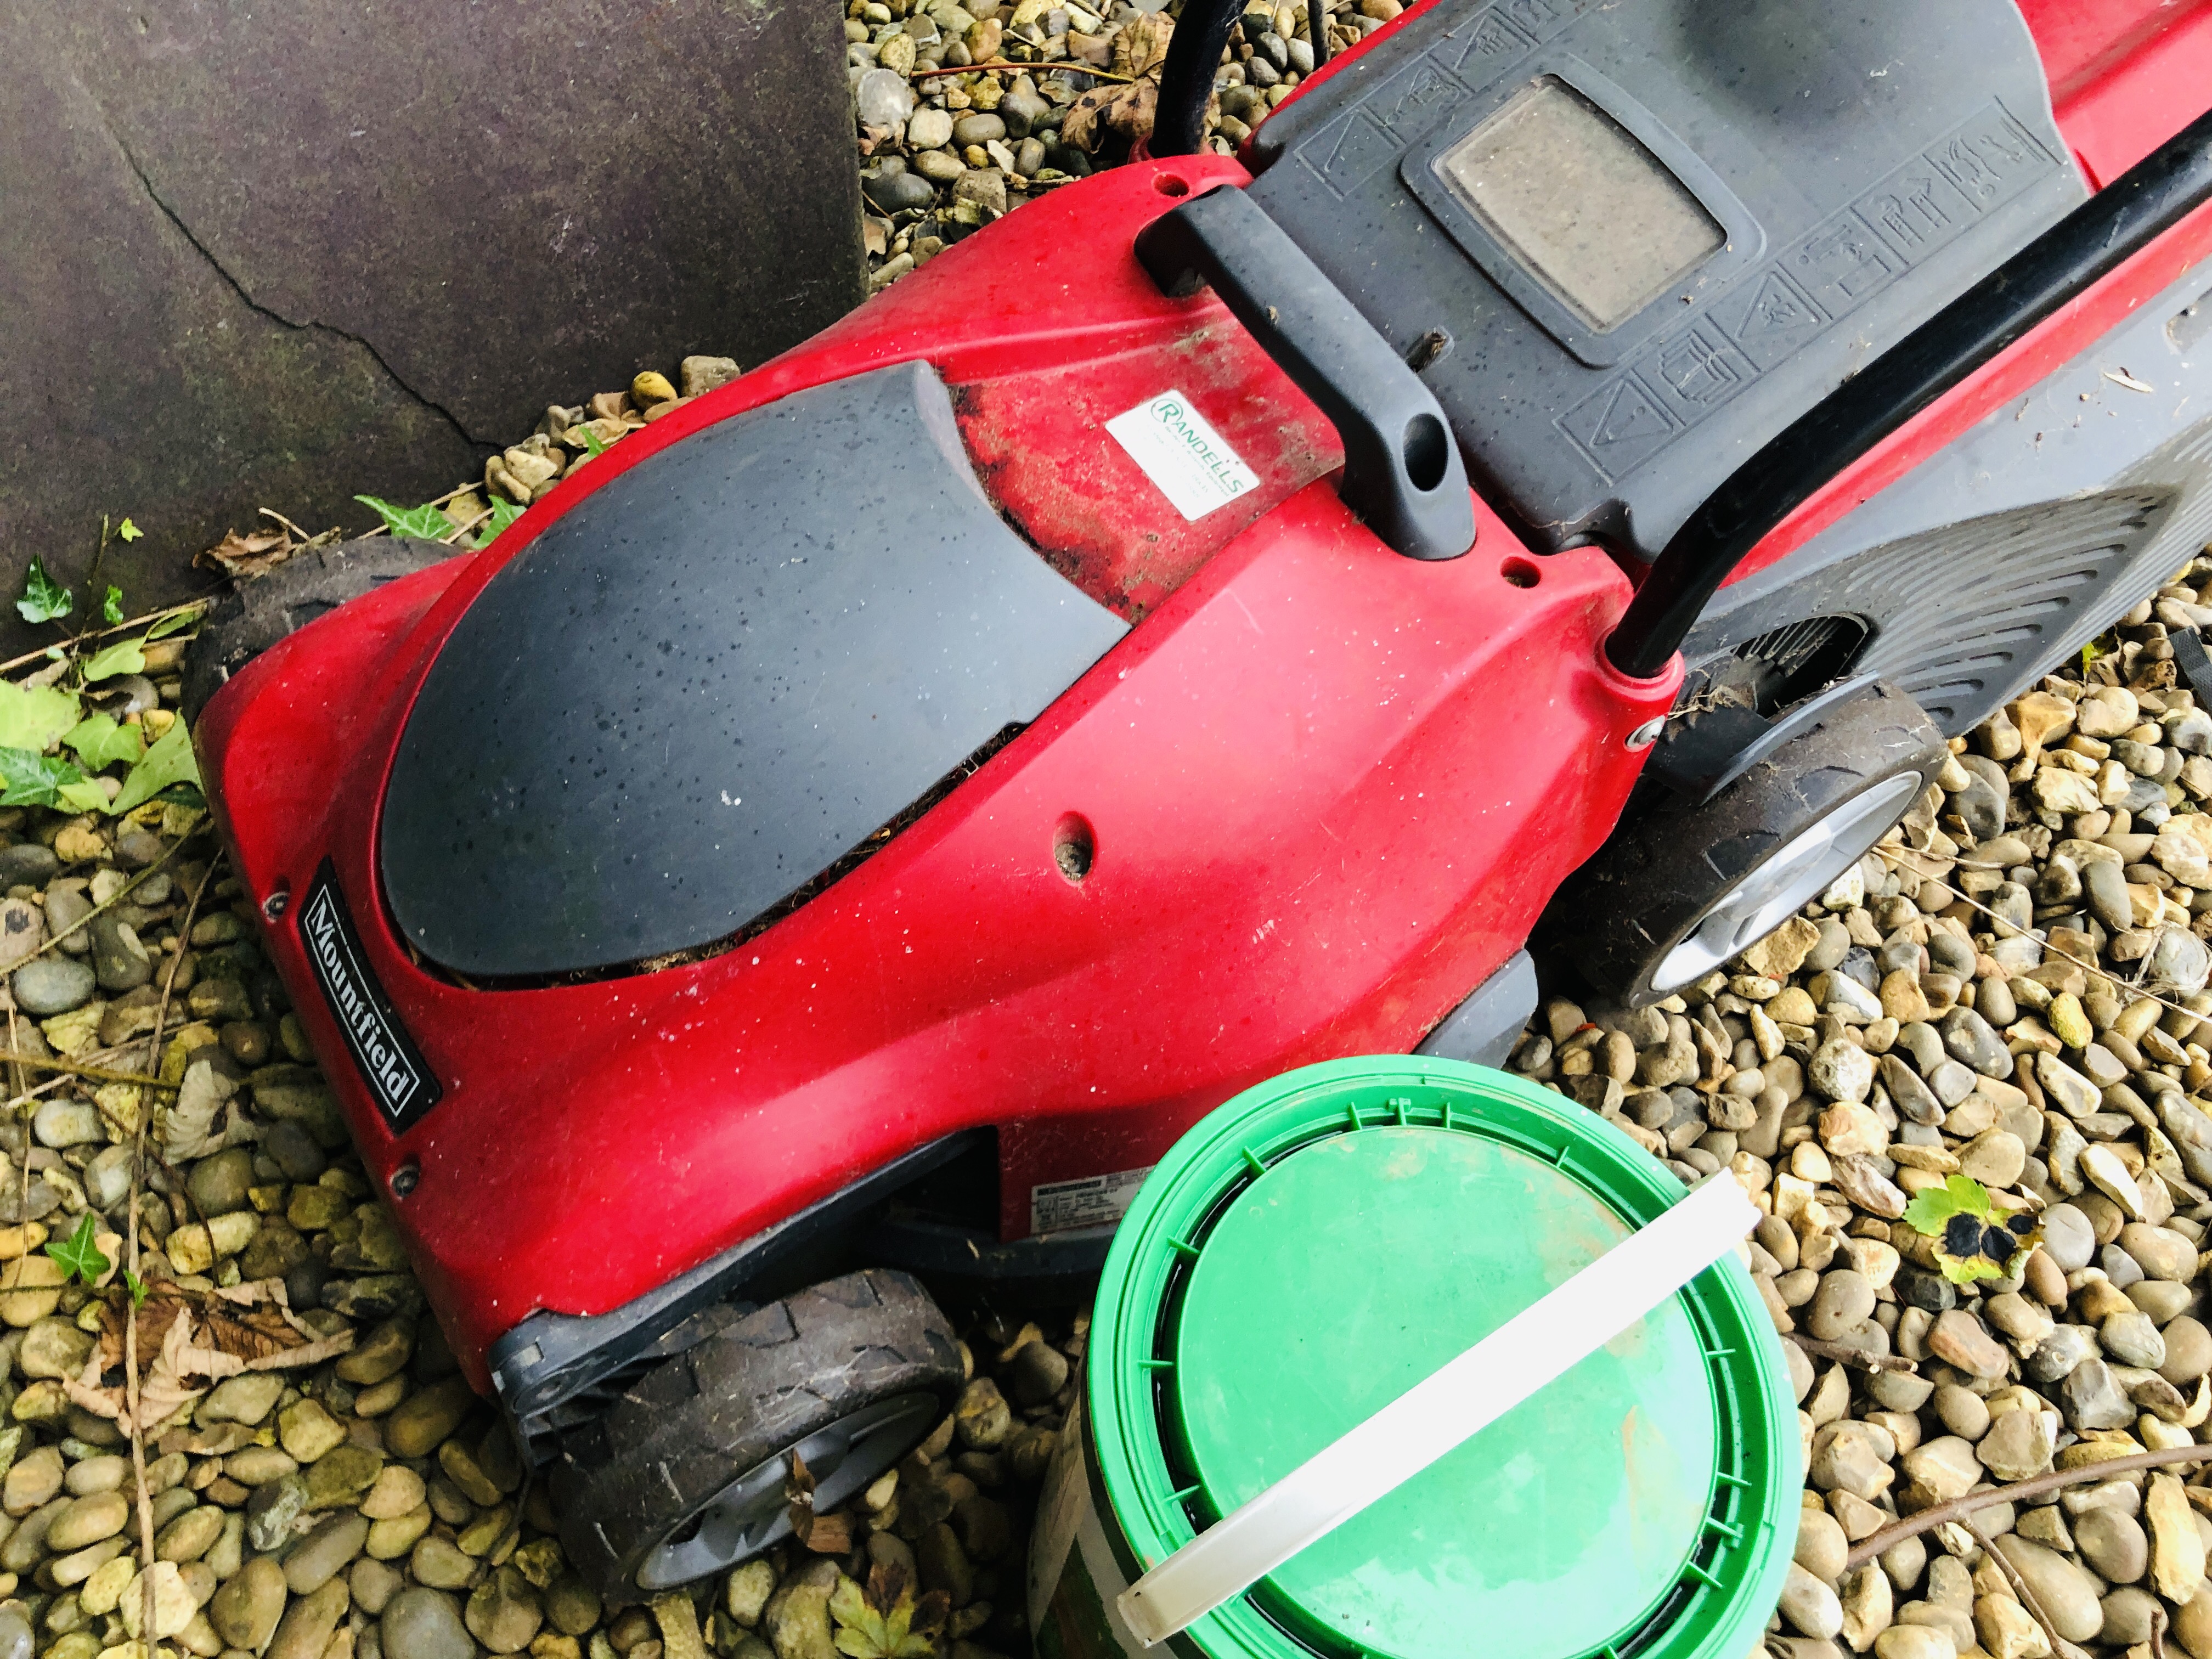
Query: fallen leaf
{"x":247,"y":556}
{"x":2121,"y":377}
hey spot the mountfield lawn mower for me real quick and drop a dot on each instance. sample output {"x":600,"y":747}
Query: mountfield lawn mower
{"x":1566,"y":479}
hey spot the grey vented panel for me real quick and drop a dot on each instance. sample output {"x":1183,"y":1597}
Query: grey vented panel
{"x":1866,"y":163}
{"x":2034,"y":530}
{"x":710,"y":679}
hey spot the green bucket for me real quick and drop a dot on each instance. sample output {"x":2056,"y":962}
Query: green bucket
{"x":1317,"y":1247}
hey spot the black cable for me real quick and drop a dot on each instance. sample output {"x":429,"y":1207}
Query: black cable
{"x":1201,"y":35}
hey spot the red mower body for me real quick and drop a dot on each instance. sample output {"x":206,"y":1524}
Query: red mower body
{"x":1315,"y":796}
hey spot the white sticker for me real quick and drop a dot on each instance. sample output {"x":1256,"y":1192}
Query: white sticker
{"x":1193,"y":465}
{"x":1090,"y":1202}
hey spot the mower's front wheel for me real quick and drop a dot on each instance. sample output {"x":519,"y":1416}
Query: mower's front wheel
{"x":1679,"y":889}
{"x":686,"y":1475}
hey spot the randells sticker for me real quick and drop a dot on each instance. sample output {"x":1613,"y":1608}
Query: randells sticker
{"x":389,"y":1062}
{"x":1180,"y":453}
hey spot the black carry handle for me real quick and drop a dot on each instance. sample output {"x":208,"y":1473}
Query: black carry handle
{"x":1402,"y":471}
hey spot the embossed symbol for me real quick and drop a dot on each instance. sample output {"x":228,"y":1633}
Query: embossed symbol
{"x":1694,"y":367}
{"x":1983,"y":163}
{"x":1844,"y":261}
{"x":1491,"y":39}
{"x":1911,"y":215}
{"x":1618,"y":425}
{"x":1774,"y":322}
{"x":1413,"y":100}
{"x":1359,"y":148}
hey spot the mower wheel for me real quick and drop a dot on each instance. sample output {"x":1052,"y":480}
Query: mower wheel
{"x":685,"y":1476}
{"x":262,"y":610}
{"x":1680,"y":889}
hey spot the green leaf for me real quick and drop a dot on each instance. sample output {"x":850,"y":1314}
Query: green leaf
{"x":140,"y":1290}
{"x":44,"y":598}
{"x":86,"y":797}
{"x":169,"y":760}
{"x":130,"y":532}
{"x":27,"y":779}
{"x":33,"y":717}
{"x":111,"y":608}
{"x":503,"y":513}
{"x":175,"y":624}
{"x":861,"y":1634}
{"x":100,"y":741}
{"x":424,"y":522}
{"x":79,"y":1256}
{"x":1933,"y":1206}
{"x":594,"y":446}
{"x":123,"y":659}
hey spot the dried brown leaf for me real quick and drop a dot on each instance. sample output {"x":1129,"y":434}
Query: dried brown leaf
{"x":1141,"y":47}
{"x":251,"y":554}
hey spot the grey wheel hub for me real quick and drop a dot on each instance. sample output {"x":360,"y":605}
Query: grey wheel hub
{"x":751,"y":1513}
{"x":1771,"y":891}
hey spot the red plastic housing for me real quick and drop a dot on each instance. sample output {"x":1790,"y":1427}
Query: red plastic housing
{"x":1330,"y":790}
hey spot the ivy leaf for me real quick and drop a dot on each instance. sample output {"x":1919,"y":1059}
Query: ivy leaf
{"x":111,"y":608}
{"x":34,"y":716}
{"x":862,"y":1633}
{"x":424,"y":523}
{"x":130,"y":532}
{"x":98,"y":741}
{"x":169,"y":760}
{"x":503,"y":513}
{"x":44,"y":598}
{"x":123,"y":659}
{"x":78,"y":1255}
{"x":174,"y":625}
{"x":86,"y":797}
{"x":1932,"y":1207}
{"x":28,"y":779}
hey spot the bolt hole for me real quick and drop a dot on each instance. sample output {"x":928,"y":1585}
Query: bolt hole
{"x":279,"y":900}
{"x":1520,"y":573}
{"x":406,"y":1178}
{"x":1168,"y":183}
{"x":1425,"y":451}
{"x":1074,"y":847}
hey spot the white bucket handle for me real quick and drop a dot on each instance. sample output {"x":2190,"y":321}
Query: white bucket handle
{"x":1529,"y":1351}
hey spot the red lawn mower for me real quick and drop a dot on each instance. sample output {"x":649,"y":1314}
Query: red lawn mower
{"x":1566,"y":480}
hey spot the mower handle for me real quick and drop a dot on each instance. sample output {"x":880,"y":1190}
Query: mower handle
{"x":1402,"y":471}
{"x":2134,"y":210}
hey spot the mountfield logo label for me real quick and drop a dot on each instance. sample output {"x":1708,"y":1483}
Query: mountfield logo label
{"x":390,"y":1063}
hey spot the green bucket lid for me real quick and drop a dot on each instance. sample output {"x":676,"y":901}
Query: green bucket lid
{"x":1324,"y":1241}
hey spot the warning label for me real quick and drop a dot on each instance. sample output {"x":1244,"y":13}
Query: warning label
{"x":1093,"y":1201}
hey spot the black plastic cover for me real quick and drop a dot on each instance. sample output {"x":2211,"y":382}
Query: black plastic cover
{"x":1863,"y":166}
{"x":713,"y":678}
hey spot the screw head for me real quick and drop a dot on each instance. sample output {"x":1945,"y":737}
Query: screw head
{"x":406,"y":1178}
{"x":274,"y":906}
{"x":1646,"y":734}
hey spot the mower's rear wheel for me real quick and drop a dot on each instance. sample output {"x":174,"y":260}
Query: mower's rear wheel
{"x":262,"y":610}
{"x":685,"y":1476}
{"x":1680,"y":890}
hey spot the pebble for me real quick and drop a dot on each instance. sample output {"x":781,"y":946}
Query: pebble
{"x":424,"y":1624}
{"x":51,"y":985}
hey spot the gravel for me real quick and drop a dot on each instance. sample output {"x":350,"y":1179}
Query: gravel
{"x":2014,"y":987}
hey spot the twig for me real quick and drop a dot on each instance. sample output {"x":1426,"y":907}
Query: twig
{"x":1001,"y":68}
{"x":97,"y":1074}
{"x":119,"y":628}
{"x":461,"y":530}
{"x":1937,"y":1514}
{"x":2028,"y":1599}
{"x":124,"y":891}
{"x":1897,"y":856}
{"x":130,"y":1308}
{"x":2158,"y":1631}
{"x":1850,"y":1356}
